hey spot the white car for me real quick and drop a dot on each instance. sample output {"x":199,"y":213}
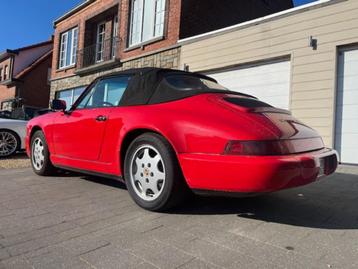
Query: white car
{"x":12,"y":136}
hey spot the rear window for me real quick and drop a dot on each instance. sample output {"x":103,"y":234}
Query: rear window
{"x":246,"y":102}
{"x":188,"y":83}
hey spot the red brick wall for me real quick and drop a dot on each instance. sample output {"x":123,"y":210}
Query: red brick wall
{"x":35,"y":89}
{"x":80,"y":18}
{"x":6,"y":93}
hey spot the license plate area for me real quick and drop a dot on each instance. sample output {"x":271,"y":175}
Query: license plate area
{"x":327,"y":165}
{"x":322,"y":167}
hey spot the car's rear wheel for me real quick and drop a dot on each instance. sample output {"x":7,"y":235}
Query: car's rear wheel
{"x":40,"y":155}
{"x":152,"y":173}
{"x":9,"y":143}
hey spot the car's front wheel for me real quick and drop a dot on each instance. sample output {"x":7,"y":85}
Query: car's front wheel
{"x":152,"y":173}
{"x":40,"y":155}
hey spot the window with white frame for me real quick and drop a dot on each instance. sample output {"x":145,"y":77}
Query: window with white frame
{"x":114,"y":36}
{"x":68,"y":48}
{"x":70,"y":95}
{"x":101,"y":32}
{"x":147,"y":20}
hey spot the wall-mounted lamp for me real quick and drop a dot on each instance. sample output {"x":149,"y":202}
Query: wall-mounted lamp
{"x":313,"y":43}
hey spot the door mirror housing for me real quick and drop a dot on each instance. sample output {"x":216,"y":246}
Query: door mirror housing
{"x":58,"y":105}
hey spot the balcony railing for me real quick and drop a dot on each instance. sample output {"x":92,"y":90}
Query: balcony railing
{"x":98,"y":53}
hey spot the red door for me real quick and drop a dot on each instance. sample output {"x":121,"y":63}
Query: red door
{"x":79,"y":135}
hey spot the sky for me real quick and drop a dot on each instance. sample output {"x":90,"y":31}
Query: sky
{"x":32,"y":20}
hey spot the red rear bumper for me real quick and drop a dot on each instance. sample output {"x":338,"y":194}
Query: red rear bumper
{"x":253,"y":174}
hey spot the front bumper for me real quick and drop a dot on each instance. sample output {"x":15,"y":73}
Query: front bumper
{"x":256,"y":174}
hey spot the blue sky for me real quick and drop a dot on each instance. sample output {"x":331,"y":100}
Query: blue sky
{"x":32,"y":20}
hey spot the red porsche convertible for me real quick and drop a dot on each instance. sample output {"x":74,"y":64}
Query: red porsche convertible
{"x":165,"y":132}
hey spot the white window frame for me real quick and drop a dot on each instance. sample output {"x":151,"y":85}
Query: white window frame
{"x":155,"y":33}
{"x":100,"y":50}
{"x":64,"y":47}
{"x":115,"y":35}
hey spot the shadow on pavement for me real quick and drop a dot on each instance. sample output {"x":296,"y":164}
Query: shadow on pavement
{"x":328,"y":204}
{"x":105,"y":181}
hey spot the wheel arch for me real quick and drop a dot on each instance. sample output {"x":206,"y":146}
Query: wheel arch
{"x":34,"y":129}
{"x":133,"y":134}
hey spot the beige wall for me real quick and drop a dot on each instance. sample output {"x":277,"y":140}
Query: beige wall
{"x":313,"y":83}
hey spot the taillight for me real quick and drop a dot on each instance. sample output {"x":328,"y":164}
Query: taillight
{"x":258,"y":148}
{"x":273,"y":147}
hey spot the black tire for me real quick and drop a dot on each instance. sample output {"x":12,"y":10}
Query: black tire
{"x":175,"y":189}
{"x":47,"y":168}
{"x":18,"y":143}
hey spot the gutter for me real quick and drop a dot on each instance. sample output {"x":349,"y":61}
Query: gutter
{"x":275,"y":16}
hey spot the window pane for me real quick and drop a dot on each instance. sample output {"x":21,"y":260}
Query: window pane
{"x":187,"y":83}
{"x":87,"y":98}
{"x":69,"y":50}
{"x":101,"y":30}
{"x":106,"y":93}
{"x":63,"y":49}
{"x":149,"y":17}
{"x":77,"y":93}
{"x":115,"y":89}
{"x":75,"y":44}
{"x":136,"y":21}
{"x":65,"y":96}
{"x":159,"y":17}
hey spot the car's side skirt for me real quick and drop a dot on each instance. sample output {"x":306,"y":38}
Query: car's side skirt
{"x":91,"y":173}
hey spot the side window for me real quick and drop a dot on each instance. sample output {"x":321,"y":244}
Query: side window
{"x":106,"y":93}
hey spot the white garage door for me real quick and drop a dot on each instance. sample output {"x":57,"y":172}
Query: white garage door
{"x":269,"y":82}
{"x":347,"y":106}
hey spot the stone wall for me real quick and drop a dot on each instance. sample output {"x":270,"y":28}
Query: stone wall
{"x":169,"y":58}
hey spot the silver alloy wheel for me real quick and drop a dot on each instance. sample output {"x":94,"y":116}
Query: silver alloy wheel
{"x":147,"y":173}
{"x":38,"y":156}
{"x":8,"y":143}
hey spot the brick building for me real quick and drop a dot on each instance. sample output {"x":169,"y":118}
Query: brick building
{"x":101,"y":36}
{"x":24,"y":76}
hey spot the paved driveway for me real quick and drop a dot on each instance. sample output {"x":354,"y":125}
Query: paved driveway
{"x":86,"y":222}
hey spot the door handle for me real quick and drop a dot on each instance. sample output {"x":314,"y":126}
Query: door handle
{"x":101,"y":118}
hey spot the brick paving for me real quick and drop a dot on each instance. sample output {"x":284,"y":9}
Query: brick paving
{"x":76,"y":221}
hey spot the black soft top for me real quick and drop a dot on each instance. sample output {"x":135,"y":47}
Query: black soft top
{"x":148,"y":86}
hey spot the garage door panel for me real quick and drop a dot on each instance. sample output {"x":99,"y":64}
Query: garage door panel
{"x":269,"y":82}
{"x":346,"y":135}
{"x":350,"y":56}
{"x":348,"y":97}
{"x":348,"y":155}
{"x":348,"y":82}
{"x":347,"y":112}
{"x":348,"y":127}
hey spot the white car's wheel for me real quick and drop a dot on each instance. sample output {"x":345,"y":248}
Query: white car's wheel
{"x":9,"y":143}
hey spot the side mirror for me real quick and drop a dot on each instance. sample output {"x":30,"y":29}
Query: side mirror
{"x":58,"y":105}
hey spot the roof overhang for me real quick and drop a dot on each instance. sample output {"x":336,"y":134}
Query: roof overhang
{"x":275,"y":16}
{"x":73,"y":11}
{"x":8,"y":53}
